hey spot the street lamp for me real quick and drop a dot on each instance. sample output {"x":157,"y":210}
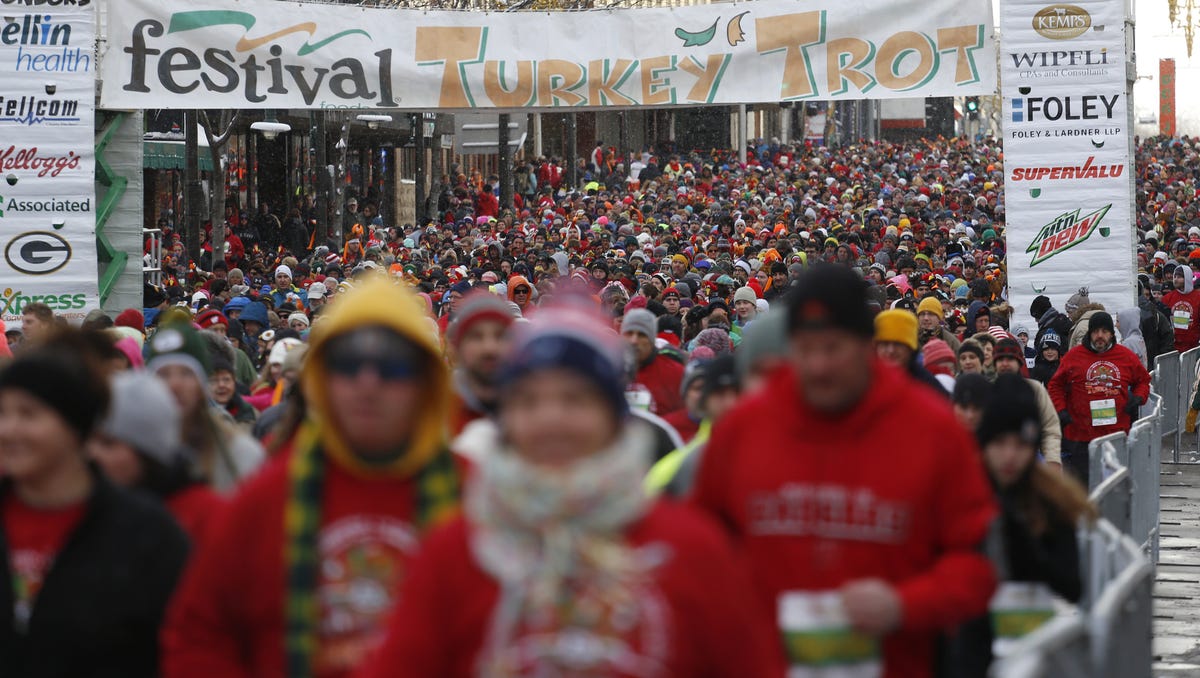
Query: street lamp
{"x":270,"y":128}
{"x":374,"y":120}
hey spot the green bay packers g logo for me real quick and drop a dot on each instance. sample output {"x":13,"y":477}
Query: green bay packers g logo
{"x":37,"y":253}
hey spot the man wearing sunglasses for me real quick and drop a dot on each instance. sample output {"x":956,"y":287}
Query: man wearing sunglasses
{"x":298,"y":575}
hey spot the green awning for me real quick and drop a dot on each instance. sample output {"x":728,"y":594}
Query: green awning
{"x":169,"y":155}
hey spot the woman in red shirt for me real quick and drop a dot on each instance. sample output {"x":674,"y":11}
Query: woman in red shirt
{"x":85,"y":568}
{"x":560,"y":564}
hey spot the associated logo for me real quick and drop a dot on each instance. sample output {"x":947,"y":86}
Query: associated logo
{"x":1088,"y":170}
{"x":1062,"y":22}
{"x":35,"y":110}
{"x":37,"y":252}
{"x":13,"y":302}
{"x":54,"y":205}
{"x":1066,"y":231}
{"x":1054,"y":109}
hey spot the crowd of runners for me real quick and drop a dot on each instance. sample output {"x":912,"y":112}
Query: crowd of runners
{"x":689,"y":417}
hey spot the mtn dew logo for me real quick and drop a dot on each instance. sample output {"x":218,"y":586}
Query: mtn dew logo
{"x":1066,"y":231}
{"x":257,"y":60}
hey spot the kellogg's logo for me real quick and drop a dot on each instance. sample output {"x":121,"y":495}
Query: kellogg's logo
{"x":13,"y":158}
{"x":1062,"y":22}
{"x":1065,"y":232}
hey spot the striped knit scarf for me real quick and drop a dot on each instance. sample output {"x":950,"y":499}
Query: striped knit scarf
{"x":552,"y":539}
{"x":437,"y":499}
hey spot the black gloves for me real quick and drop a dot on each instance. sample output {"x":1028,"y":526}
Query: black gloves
{"x":1134,"y":405}
{"x":1064,"y":418}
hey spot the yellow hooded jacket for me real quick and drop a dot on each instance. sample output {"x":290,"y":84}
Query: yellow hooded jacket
{"x":379,"y":302}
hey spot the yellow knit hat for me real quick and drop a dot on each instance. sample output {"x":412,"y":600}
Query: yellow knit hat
{"x":897,"y":325}
{"x":930,"y":305}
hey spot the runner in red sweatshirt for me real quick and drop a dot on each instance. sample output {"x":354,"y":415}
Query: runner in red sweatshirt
{"x":296,"y":577}
{"x":1097,"y":390}
{"x":1184,"y":302}
{"x":661,"y":376}
{"x":561,"y":564}
{"x":860,"y":502}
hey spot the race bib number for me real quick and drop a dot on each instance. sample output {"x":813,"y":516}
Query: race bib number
{"x":639,"y":399}
{"x":1104,"y":412}
{"x":1181,"y":318}
{"x":1018,"y":609}
{"x":819,"y":640}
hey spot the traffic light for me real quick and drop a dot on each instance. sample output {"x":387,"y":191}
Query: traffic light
{"x":972,"y":107}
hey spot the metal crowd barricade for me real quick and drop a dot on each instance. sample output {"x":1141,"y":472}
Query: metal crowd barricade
{"x":1098,"y":470}
{"x":1144,"y":447}
{"x":1187,"y":379}
{"x":1166,"y":382}
{"x":1121,"y":619}
{"x":1109,"y":634}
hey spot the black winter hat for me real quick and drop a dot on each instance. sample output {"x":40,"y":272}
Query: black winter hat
{"x":828,"y":296}
{"x":58,"y":375}
{"x":972,"y":390}
{"x":1099,"y":320}
{"x":1039,"y":306}
{"x":1012,"y":408}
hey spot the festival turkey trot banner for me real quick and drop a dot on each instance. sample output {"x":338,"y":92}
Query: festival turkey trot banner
{"x":47,"y":194}
{"x":270,"y":54}
{"x":1067,"y":152}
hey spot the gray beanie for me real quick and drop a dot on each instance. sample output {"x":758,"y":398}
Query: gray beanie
{"x":640,"y":320}
{"x":144,"y":416}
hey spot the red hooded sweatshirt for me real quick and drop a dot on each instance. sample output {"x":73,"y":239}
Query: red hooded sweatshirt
{"x":662,"y":377}
{"x":893,"y":489}
{"x":1185,"y":313}
{"x":517,"y":281}
{"x":1085,"y":383}
{"x":700,"y":599}
{"x":227,"y":618}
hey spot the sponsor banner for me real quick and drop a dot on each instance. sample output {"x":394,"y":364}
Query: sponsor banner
{"x":1166,"y":97}
{"x":269,"y":54}
{"x":1068,"y":197}
{"x":47,"y":137}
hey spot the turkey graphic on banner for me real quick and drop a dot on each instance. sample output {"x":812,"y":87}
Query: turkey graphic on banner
{"x":47,"y":137}
{"x":1067,"y":153}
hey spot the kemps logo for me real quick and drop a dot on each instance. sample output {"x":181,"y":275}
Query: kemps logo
{"x":1065,"y":232}
{"x":1062,"y":22}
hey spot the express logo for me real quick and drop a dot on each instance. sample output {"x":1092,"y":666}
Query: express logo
{"x":13,"y":302}
{"x":1062,"y":22}
{"x":1066,"y":231}
{"x":37,"y":253}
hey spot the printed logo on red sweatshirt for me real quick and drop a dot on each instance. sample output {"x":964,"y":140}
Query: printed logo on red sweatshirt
{"x":1103,"y":378}
{"x":829,"y":511}
{"x":362,"y":563}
